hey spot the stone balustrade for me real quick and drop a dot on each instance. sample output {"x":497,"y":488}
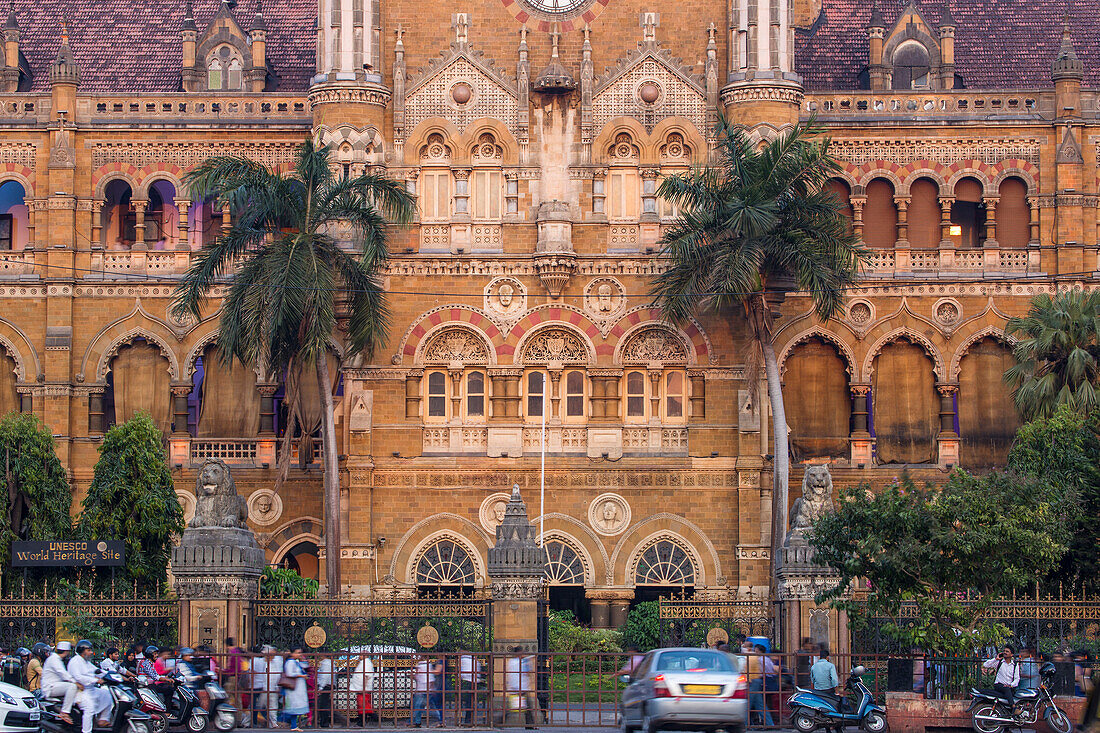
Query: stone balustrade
{"x":929,"y":104}
{"x":559,"y":439}
{"x":182,"y":107}
{"x":150,"y":263}
{"x":978,"y":263}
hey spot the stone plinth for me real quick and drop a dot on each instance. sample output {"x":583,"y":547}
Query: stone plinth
{"x":217,"y":564}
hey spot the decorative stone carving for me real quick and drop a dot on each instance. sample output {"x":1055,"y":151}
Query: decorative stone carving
{"x":947,"y":312}
{"x":604,"y":299}
{"x":516,"y":562}
{"x":217,"y":504}
{"x":492,"y":511}
{"x":362,"y":409}
{"x":456,"y":344}
{"x":435,"y":90}
{"x":816,"y":500}
{"x":654,"y":344}
{"x":264,"y":507}
{"x":609,"y":514}
{"x":506,"y":299}
{"x":555,"y":344}
{"x":860,"y":313}
{"x":187,"y":504}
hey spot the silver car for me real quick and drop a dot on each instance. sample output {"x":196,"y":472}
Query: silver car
{"x":685,"y":689}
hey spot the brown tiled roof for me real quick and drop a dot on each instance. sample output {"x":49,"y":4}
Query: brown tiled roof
{"x":126,"y":46}
{"x":999,"y":44}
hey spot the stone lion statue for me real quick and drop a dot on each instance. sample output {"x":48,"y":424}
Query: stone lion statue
{"x":816,"y":499}
{"x":217,"y":503}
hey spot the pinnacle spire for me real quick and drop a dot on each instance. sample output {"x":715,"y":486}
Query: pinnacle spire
{"x":188,"y":17}
{"x":876,"y":21}
{"x":64,"y":68}
{"x":1067,"y":65}
{"x":947,"y":20}
{"x":258,"y":19}
{"x":11,"y":24}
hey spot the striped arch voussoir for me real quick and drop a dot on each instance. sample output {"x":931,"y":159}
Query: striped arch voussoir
{"x":699,"y":343}
{"x":106,"y":173}
{"x":554,"y":314}
{"x":450,"y":314}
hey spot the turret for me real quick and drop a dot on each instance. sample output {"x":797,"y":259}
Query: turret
{"x":9,"y":75}
{"x":1067,"y":73}
{"x":763,"y":85}
{"x":64,"y":75}
{"x":256,"y":76}
{"x":348,"y":83}
{"x":189,"y":34}
{"x":947,"y":49}
{"x":876,"y":30}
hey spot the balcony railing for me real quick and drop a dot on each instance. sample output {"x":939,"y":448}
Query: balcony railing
{"x":952,"y":262}
{"x":931,"y":104}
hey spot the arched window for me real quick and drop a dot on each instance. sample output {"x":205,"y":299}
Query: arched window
{"x":437,"y":395}
{"x":843,"y":193}
{"x":968,"y":215}
{"x":924,"y":214}
{"x":674,"y":396}
{"x":665,"y":563}
{"x":675,"y":160}
{"x":118,"y":221}
{"x":574,"y":394}
{"x":880,"y":215}
{"x":535,"y":392}
{"x":435,"y":180}
{"x":563,"y":565}
{"x":1013,"y":214}
{"x":214,"y":74}
{"x":635,"y":396}
{"x":224,"y":69}
{"x":445,"y":563}
{"x":623,"y":187}
{"x":912,"y":68}
{"x":234,"y":74}
{"x":475,"y":394}
{"x":487,"y":180}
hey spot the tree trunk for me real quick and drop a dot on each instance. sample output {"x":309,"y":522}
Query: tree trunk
{"x":331,"y":479}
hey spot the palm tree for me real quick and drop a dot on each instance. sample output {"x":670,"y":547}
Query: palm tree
{"x":756,"y":223}
{"x":1057,"y":354}
{"x":290,"y":275}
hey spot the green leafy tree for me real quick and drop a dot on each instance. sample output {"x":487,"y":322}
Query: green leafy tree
{"x":1057,"y":354}
{"x":756,"y":224}
{"x":286,"y":583}
{"x":38,"y":500}
{"x":1064,"y":451}
{"x":950,"y":550}
{"x":132,"y":498}
{"x":302,"y":246}
{"x":643,"y":626}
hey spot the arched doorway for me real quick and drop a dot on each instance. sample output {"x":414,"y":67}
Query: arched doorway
{"x":139,"y":380}
{"x":565,"y":578}
{"x":445,"y":567}
{"x":14,"y":216}
{"x":118,"y":220}
{"x":302,"y":558}
{"x":905,"y":408}
{"x":987,"y":414}
{"x":819,"y":408}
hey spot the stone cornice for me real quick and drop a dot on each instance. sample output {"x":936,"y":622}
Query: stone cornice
{"x":337,"y":93}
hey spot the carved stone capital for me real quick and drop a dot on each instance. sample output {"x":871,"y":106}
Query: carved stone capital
{"x":371,"y":94}
{"x":523,"y":588}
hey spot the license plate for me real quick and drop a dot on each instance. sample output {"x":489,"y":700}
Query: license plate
{"x":34,"y":716}
{"x":702,"y":689}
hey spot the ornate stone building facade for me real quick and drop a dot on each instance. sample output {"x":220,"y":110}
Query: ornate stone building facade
{"x":534,"y":134}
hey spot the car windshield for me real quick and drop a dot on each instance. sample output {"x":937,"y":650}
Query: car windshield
{"x":693,"y":661}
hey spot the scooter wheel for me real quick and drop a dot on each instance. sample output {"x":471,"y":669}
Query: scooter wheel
{"x":225,"y":721}
{"x":1059,"y":721}
{"x":158,"y":723}
{"x":803,"y":722}
{"x":196,"y":723}
{"x":874,"y":722}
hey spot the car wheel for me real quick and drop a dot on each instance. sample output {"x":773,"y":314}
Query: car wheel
{"x":875,"y":722}
{"x":803,"y":722}
{"x":649,"y":725}
{"x":624,"y":726}
{"x":196,"y":723}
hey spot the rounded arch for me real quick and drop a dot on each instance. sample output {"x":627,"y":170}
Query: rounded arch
{"x":681,"y":339}
{"x":684,"y":127}
{"x":822,"y":333}
{"x":292,"y":531}
{"x":535,"y":331}
{"x":419,"y":135}
{"x":23,"y":176}
{"x":667,"y":570}
{"x":433,"y":527}
{"x":975,"y":169}
{"x":970,"y":340}
{"x":582,"y":534}
{"x":578,"y":548}
{"x":20,"y":349}
{"x":209,"y":336}
{"x":708,"y":565}
{"x":419,"y":356}
{"x":692,"y":330}
{"x":503,"y":136}
{"x":449,"y":314}
{"x":613,"y":128}
{"x":281,"y":552}
{"x":918,"y":169}
{"x":477,"y":559}
{"x":104,"y":364}
{"x":150,"y":174}
{"x":1023,"y":169}
{"x":907,"y":334}
{"x":878,"y":169}
{"x":124,"y":172}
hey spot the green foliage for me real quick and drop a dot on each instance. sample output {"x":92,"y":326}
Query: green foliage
{"x":286,"y":583}
{"x":1057,"y":354}
{"x":934,"y":547}
{"x":132,"y":498}
{"x":38,"y":500}
{"x":643,"y":626}
{"x":567,"y":635}
{"x":1064,"y":450}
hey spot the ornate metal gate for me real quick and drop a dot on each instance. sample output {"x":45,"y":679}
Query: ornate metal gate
{"x":24,"y":621}
{"x":687,"y":622}
{"x":444,"y":623}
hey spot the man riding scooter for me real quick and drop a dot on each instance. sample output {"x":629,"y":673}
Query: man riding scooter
{"x":57,"y":682}
{"x":94,"y":699}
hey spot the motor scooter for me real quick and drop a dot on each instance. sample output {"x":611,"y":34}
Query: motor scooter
{"x":183,"y":709}
{"x":125,"y":715}
{"x":150,"y":702}
{"x":222,"y":712}
{"x":811,"y":710}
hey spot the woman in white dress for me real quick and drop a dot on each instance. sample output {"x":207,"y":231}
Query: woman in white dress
{"x":296,"y":699}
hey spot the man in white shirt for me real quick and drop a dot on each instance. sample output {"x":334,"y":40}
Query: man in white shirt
{"x":469,"y":674}
{"x":258,"y":683}
{"x":1008,"y":674}
{"x":273,"y":670}
{"x":57,"y":682}
{"x":94,"y":700}
{"x":362,"y":684}
{"x":324,"y":692}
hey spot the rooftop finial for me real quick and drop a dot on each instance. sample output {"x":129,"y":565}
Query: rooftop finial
{"x":1066,"y":64}
{"x":11,"y":24}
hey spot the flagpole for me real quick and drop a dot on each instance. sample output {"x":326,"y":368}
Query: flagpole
{"x":542,"y":472}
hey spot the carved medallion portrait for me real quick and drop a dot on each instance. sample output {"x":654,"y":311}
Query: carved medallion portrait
{"x":609,"y":514}
{"x":187,"y":504}
{"x":506,"y":299}
{"x":264,"y":507}
{"x":492,"y":509}
{"x":604,"y":299}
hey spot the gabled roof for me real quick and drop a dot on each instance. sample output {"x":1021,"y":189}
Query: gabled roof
{"x":999,"y":44}
{"x":123,"y":46}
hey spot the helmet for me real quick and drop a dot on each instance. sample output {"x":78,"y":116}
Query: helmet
{"x":1048,"y":670}
{"x":860,"y":670}
{"x":187,"y":652}
{"x":82,"y":645}
{"x":41,"y":650}
{"x":151,"y":651}
{"x":23,"y":651}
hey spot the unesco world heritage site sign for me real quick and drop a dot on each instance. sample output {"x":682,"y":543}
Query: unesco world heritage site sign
{"x":35,"y":553}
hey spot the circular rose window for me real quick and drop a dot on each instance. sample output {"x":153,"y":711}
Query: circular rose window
{"x":542,"y":15}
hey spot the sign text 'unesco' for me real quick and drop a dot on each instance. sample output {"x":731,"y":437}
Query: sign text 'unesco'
{"x":67,"y":554}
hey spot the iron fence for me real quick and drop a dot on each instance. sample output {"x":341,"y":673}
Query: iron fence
{"x":115,"y":619}
{"x":692,"y":622}
{"x":446,"y":622}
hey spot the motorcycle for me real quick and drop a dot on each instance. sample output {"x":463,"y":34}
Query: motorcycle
{"x":812,"y":710}
{"x":222,"y":711}
{"x":125,"y":715}
{"x":990,"y":713}
{"x":149,"y":702}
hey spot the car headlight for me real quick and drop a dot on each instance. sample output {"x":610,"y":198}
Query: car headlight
{"x":7,"y":699}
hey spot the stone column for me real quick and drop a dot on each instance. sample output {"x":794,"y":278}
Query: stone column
{"x":1033,"y":221}
{"x":860,"y":436}
{"x":857,"y":203}
{"x":412,"y":394}
{"x":97,"y":224}
{"x":265,"y":440}
{"x":179,"y":442}
{"x":946,"y":202}
{"x":183,"y":240}
{"x":991,"y":221}
{"x":948,"y":439}
{"x":698,"y":400}
{"x":517,"y":567}
{"x":139,"y":224}
{"x":217,"y":564}
{"x":601,"y":618}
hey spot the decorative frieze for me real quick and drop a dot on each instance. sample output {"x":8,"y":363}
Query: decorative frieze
{"x":859,"y":152}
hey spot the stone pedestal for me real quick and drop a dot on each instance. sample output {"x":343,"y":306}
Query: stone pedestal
{"x":217,"y":565}
{"x":517,"y":567}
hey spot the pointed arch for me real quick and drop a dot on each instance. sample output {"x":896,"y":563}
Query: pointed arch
{"x":430,"y":321}
{"x":910,"y":335}
{"x":624,"y":557}
{"x":692,"y":330}
{"x":445,"y":524}
{"x":988,"y":331}
{"x":822,"y":333}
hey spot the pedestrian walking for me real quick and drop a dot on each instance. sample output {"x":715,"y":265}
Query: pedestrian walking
{"x":323,"y":682}
{"x":519,"y":687}
{"x":272,"y":665}
{"x":437,"y":686}
{"x":362,"y":685}
{"x":757,"y":664}
{"x":295,"y":698}
{"x":422,"y":673}
{"x":469,"y":679}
